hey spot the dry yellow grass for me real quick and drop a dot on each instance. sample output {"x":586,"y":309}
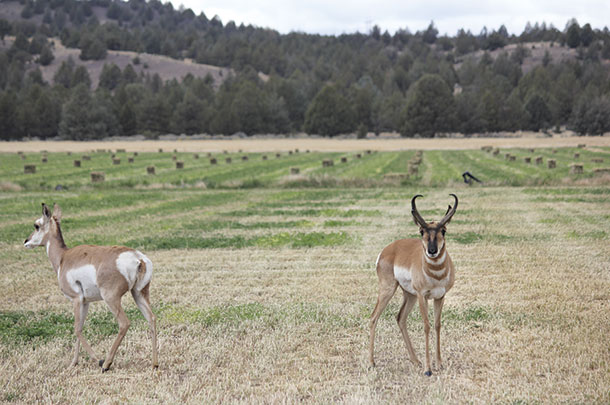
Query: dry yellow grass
{"x":314,"y":144}
{"x":527,"y":320}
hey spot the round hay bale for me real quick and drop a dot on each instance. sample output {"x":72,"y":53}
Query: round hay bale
{"x":597,"y":160}
{"x":264,"y":157}
{"x":29,"y":169}
{"x":196,"y":155}
{"x":77,"y":163}
{"x":327,"y":163}
{"x":150,"y":170}
{"x":97,"y":177}
{"x":538,"y":160}
{"x":86,"y":157}
{"x":295,"y":170}
{"x":116,"y":161}
{"x":130,"y":160}
{"x":344,"y":160}
{"x":576,"y":168}
{"x":551,"y":163}
{"x":179,"y":165}
{"x":527,"y":159}
{"x":244,"y":158}
{"x":576,"y":155}
{"x":228,"y":160}
{"x":213,"y":161}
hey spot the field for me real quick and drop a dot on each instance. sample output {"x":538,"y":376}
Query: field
{"x":264,"y":282}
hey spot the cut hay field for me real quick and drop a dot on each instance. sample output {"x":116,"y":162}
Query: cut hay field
{"x":263,"y":285}
{"x":237,"y":169}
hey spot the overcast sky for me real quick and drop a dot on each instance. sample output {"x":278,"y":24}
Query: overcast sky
{"x":334,"y":17}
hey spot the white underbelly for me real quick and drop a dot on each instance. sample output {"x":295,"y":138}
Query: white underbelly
{"x":83,"y":281}
{"x":404,"y":278}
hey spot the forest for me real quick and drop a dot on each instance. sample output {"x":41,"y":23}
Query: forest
{"x":417,"y":84}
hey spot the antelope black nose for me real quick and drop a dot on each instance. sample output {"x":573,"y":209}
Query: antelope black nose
{"x":25,"y":241}
{"x":432,"y":250}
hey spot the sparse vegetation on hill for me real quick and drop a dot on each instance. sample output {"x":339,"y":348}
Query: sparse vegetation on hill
{"x":271,"y":83}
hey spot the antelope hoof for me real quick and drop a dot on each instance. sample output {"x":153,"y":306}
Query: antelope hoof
{"x":101,"y":363}
{"x":428,"y":373}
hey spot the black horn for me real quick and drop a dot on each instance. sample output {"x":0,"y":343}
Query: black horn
{"x":418,"y":218}
{"x":449,"y":213}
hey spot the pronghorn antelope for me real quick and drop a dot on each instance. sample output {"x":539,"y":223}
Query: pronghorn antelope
{"x":423,"y":269}
{"x":89,"y":273}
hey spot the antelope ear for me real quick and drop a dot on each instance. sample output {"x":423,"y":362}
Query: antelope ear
{"x":57,"y":213}
{"x":45,"y":211}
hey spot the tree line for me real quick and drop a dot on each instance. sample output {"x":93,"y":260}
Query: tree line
{"x":418,"y":84}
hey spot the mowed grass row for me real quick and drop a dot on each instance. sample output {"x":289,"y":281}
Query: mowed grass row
{"x":439,"y":168}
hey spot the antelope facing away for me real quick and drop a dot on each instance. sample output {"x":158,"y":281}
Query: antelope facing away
{"x":424,"y":270}
{"x":89,"y":273}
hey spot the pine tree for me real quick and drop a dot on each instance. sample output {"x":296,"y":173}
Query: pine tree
{"x":329,"y":113}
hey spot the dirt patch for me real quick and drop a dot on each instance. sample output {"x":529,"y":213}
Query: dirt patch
{"x":303,"y":144}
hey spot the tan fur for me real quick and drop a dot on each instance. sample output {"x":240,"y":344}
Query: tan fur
{"x":107,"y":278}
{"x":428,"y":276}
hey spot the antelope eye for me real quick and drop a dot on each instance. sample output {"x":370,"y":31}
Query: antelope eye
{"x":421,"y":232}
{"x":443,"y":232}
{"x":36,"y":226}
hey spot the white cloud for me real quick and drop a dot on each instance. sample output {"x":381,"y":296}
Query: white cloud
{"x":339,"y":16}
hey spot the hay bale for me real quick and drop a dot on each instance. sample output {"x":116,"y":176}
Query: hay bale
{"x":44,"y":159}
{"x":179,"y":165}
{"x":228,"y":160}
{"x":512,"y":158}
{"x":294,"y":170}
{"x":113,"y":156}
{"x":538,"y":160}
{"x":29,"y":169}
{"x":264,"y":157}
{"x":196,"y":155}
{"x":395,"y":176}
{"x":296,"y":150}
{"x":344,"y":160}
{"x":576,"y":168}
{"x":135,"y":153}
{"x":213,"y":161}
{"x":487,"y":148}
{"x":551,"y":163}
{"x":327,"y":163}
{"x":174,"y":158}
{"x":531,"y":150}
{"x":77,"y":163}
{"x":582,"y":145}
{"x":175,"y":150}
{"x":97,"y":177}
{"x":120,"y":151}
{"x":368,"y":152}
{"x":597,"y":160}
{"x":290,"y":152}
{"x":150,"y":170}
{"x":576,"y":155}
{"x":358,"y":156}
{"x":86,"y":157}
{"x":554,"y":151}
{"x":116,"y":161}
{"x":210,"y":154}
{"x":160,"y":150}
{"x":602,"y":170}
{"x":69,"y":153}
{"x":507,"y":156}
{"x":244,"y":158}
{"x":307,"y":151}
{"x":496,"y":152}
{"x":130,"y":160}
{"x":225,"y":152}
{"x":527,"y":159}
{"x":277,"y":155}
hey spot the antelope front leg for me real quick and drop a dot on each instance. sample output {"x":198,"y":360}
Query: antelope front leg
{"x":438,"y":308}
{"x":80,"y":313}
{"x":423,"y":308}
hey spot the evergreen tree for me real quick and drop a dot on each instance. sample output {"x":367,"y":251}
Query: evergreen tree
{"x":110,"y":77}
{"x":329,"y":113}
{"x":539,"y":113}
{"x":430,"y":108}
